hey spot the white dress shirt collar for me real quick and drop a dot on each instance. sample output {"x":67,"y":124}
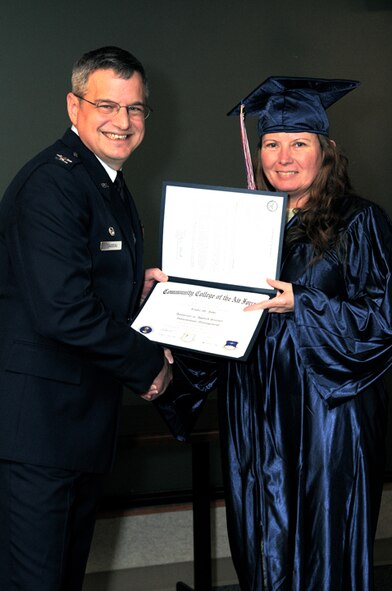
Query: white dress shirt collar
{"x":111,"y":172}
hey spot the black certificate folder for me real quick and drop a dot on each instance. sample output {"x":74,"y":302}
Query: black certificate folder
{"x":218,"y":247}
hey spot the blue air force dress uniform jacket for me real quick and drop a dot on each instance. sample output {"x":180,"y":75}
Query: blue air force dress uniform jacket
{"x":70,"y":280}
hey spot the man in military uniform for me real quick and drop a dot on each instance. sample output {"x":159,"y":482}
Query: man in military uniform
{"x":71,"y":278}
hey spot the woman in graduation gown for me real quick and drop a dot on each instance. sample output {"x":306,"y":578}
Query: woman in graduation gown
{"x":303,"y":421}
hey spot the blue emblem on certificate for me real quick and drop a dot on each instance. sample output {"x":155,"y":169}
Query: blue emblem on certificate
{"x":145,"y":329}
{"x":231,"y":344}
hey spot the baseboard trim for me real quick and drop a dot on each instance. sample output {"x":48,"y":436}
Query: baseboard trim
{"x":383,"y":551}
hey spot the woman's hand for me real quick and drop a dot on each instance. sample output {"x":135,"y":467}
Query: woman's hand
{"x":282,"y":303}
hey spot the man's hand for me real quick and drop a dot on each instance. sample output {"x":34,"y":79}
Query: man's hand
{"x":162,"y":380}
{"x":151,"y":276}
{"x":283,"y":302}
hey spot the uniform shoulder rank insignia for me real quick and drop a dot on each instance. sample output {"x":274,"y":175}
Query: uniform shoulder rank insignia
{"x":63,"y":159}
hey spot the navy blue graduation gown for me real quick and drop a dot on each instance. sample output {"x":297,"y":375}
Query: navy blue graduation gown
{"x":303,"y":421}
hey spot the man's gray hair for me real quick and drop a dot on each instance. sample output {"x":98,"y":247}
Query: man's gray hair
{"x":105,"y":58}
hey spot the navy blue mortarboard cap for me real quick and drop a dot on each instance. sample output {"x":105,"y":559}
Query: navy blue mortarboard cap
{"x":292,"y":104}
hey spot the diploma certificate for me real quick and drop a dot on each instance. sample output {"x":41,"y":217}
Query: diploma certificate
{"x":218,"y":247}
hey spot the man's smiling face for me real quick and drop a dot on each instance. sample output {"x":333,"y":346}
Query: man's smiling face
{"x":112,"y":138}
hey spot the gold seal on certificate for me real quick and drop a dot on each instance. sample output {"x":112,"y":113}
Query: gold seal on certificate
{"x":218,"y":247}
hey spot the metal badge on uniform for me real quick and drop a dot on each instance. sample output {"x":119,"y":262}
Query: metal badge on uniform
{"x":111,"y":245}
{"x":63,"y":159}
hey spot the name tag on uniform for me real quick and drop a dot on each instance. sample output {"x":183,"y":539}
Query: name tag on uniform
{"x":111,"y":245}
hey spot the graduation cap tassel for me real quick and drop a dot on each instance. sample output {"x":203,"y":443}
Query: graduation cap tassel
{"x":245,"y":147}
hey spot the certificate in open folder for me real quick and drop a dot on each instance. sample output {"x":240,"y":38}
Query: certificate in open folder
{"x":218,"y":247}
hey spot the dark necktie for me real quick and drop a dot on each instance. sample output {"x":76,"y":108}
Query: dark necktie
{"x":119,"y":183}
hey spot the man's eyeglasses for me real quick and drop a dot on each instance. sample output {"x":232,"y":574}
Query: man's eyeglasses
{"x":110,"y":108}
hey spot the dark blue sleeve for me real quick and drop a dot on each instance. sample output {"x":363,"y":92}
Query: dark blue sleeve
{"x":346,"y":343}
{"x":194,"y":377}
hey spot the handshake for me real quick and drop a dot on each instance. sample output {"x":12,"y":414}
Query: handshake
{"x":162,"y":380}
{"x":165,"y":376}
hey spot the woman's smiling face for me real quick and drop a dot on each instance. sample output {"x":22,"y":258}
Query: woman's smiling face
{"x":291,"y":162}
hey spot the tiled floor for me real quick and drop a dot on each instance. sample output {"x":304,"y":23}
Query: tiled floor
{"x":165,"y":577}
{"x":126,"y":548}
